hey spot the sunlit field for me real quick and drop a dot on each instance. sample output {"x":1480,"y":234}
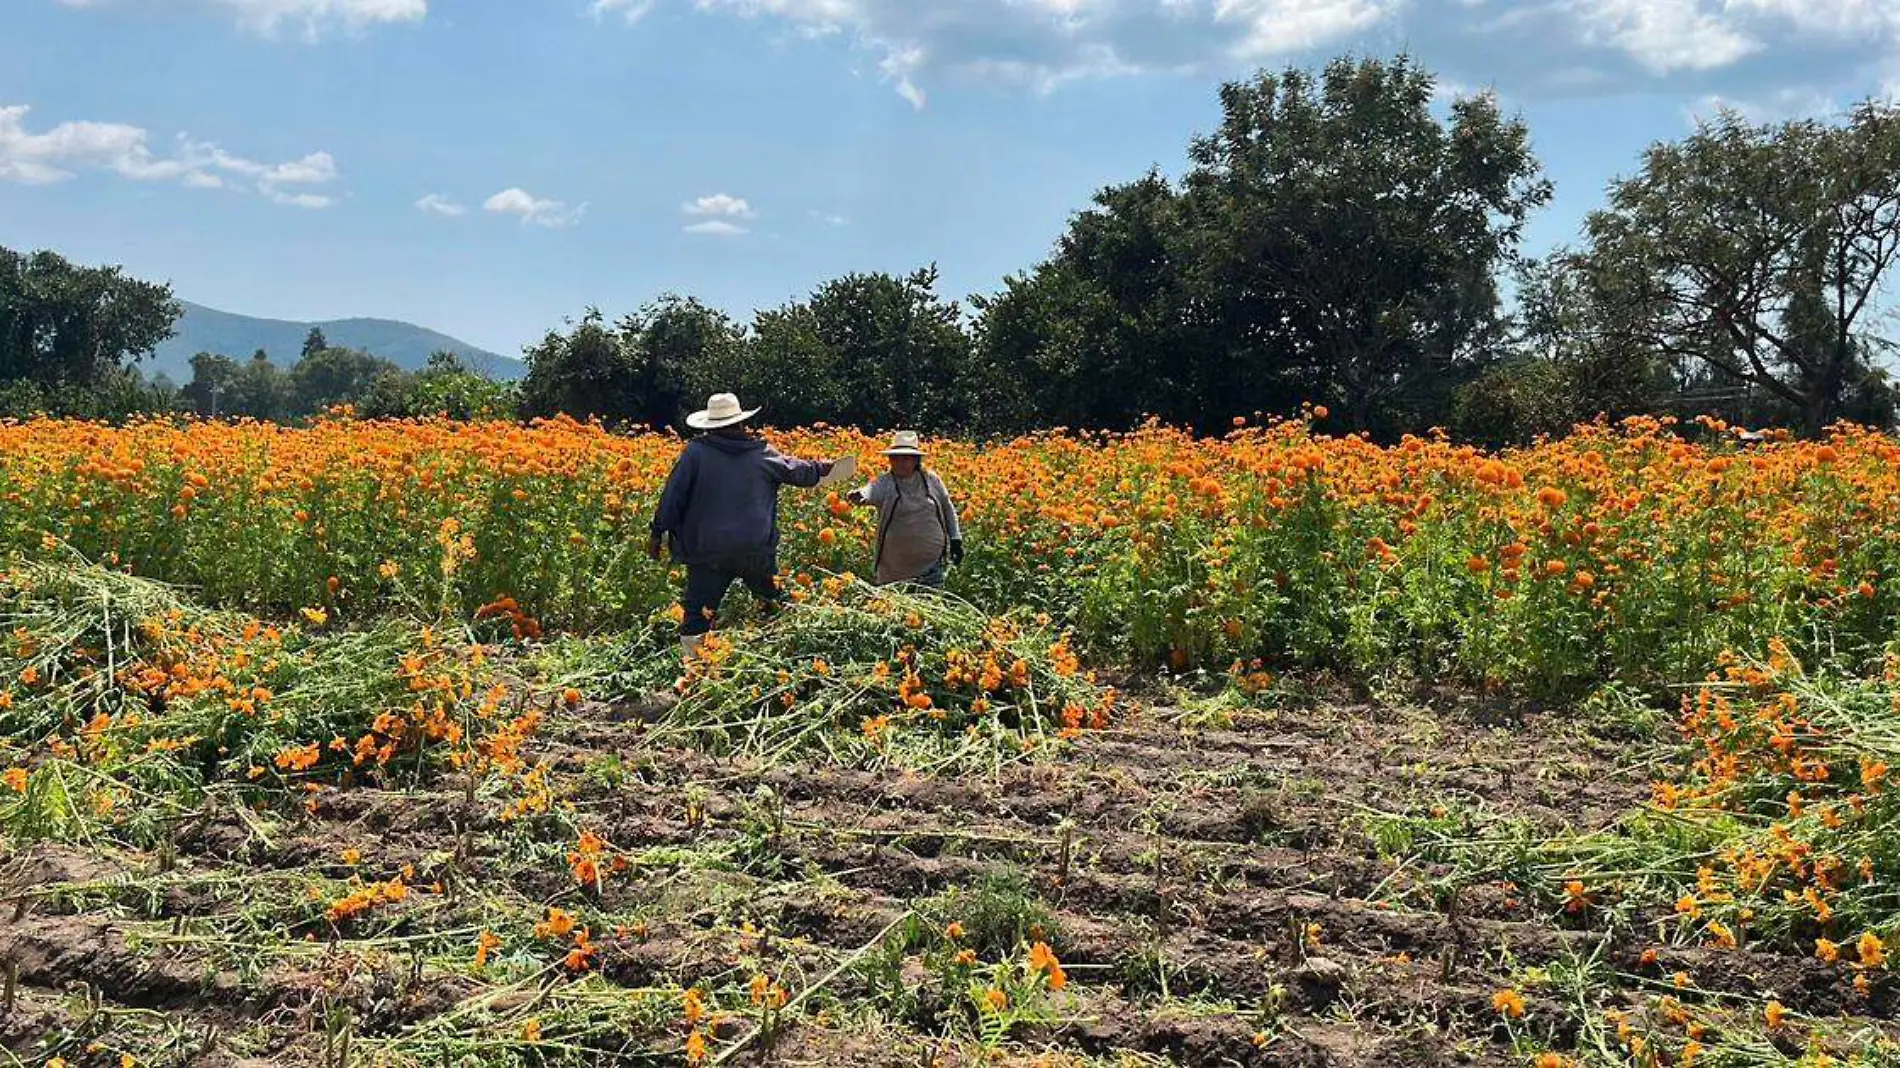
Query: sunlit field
{"x":368,"y":743}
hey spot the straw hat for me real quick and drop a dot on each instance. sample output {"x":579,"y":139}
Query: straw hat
{"x":722,"y":409}
{"x":904,"y":443}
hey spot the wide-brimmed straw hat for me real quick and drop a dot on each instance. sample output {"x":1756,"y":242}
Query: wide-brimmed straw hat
{"x":904,"y":443}
{"x":722,"y":409}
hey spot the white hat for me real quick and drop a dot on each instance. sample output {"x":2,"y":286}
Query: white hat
{"x":722,"y":409}
{"x":904,"y":443}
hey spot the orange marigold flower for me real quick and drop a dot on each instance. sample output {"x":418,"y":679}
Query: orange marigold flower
{"x":1873,"y":951}
{"x":1508,"y":1003}
{"x":693,"y":1006}
{"x":559,"y":924}
{"x":1043,"y":959}
{"x":485,"y":945}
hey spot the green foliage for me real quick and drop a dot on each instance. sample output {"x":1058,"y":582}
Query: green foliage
{"x":912,"y":678}
{"x":1272,"y":275}
{"x":329,"y":377}
{"x":865,"y":350}
{"x":258,"y":389}
{"x":1756,"y":254}
{"x":1513,"y":401}
{"x":644,"y":369}
{"x":63,"y":326}
{"x":118,"y":396}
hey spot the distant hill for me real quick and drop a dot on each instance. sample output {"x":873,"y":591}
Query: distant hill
{"x":202,"y":329}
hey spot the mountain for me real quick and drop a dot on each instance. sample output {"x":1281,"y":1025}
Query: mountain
{"x":202,"y":329}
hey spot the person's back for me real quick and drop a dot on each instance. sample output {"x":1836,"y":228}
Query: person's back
{"x":731,"y":518}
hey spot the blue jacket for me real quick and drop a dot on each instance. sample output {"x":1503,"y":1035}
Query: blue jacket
{"x":720,"y":505}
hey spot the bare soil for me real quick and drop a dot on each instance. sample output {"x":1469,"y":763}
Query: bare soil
{"x":1211,"y":893}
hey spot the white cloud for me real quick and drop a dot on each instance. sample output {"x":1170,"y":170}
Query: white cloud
{"x":720,"y":204}
{"x":532,"y":209}
{"x":828,"y":218}
{"x":1778,"y":106}
{"x":315,"y":16}
{"x":716,"y":228}
{"x":631,"y":10}
{"x":1272,"y":28}
{"x":1045,"y":43}
{"x":1666,"y":35}
{"x":68,"y":149}
{"x":302,"y":200}
{"x":1565,"y":46}
{"x":437,"y":204}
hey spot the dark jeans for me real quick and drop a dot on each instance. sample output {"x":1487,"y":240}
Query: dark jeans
{"x":706,"y":587}
{"x":931,"y":579}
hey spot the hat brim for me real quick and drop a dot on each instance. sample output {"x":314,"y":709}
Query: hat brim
{"x":705,"y":420}
{"x":903,"y":452}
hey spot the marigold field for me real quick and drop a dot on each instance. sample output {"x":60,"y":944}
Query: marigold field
{"x":368,"y":744}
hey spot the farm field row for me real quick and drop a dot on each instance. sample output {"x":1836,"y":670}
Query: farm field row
{"x":365,"y":744}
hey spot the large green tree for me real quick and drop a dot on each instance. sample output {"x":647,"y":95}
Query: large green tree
{"x":681,"y":350}
{"x":583,"y":372}
{"x":1108,"y":330}
{"x":67,"y":326}
{"x":648,"y":368}
{"x":883,"y":350}
{"x":1351,"y":238}
{"x":1757,"y":253}
{"x":334,"y":376}
{"x":1334,"y":239}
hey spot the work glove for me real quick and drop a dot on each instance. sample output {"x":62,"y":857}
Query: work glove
{"x":956,"y":552}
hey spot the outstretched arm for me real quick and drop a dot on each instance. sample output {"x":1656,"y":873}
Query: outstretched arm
{"x":791,"y":471}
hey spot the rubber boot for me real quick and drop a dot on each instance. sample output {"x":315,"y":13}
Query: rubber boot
{"x":689,"y":645}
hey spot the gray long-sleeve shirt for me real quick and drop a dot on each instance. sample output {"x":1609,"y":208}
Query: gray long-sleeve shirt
{"x":917,"y":523}
{"x":720,"y":505}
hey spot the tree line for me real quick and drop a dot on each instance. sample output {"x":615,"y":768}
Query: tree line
{"x":326,"y":377}
{"x":1341,"y":237}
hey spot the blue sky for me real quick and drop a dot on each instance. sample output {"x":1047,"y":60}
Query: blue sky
{"x":490,"y":167}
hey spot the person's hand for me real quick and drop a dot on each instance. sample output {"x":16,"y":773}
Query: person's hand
{"x":653,"y":547}
{"x":836,"y":471}
{"x":956,"y":552}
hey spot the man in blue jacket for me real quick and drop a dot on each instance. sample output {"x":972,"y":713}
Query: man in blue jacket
{"x":719,"y":511}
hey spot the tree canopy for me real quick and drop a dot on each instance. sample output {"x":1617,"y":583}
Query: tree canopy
{"x":62,"y":324}
{"x":1347,"y":236}
{"x":1756,"y":254}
